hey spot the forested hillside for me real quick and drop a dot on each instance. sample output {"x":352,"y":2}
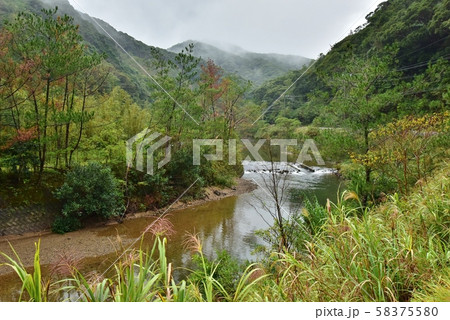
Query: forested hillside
{"x":256,"y":67}
{"x":123,"y":69}
{"x":414,"y":38}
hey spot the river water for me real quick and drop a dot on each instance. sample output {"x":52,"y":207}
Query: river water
{"x":227,"y":224}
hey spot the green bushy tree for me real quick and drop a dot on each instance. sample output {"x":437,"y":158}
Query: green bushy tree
{"x":90,"y":190}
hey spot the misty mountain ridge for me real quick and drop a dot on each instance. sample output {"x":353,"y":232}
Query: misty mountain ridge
{"x":256,"y":67}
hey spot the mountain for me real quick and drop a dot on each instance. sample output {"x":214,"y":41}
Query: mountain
{"x":256,"y":67}
{"x":127,"y":74}
{"x":419,"y":29}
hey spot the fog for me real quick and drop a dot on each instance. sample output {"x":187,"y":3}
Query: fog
{"x":298,"y":27}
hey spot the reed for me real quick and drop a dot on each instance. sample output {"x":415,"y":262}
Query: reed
{"x":394,"y":252}
{"x":32,"y":283}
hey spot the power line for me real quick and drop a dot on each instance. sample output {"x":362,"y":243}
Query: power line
{"x":428,"y":45}
{"x":422,"y":64}
{"x":144,"y":70}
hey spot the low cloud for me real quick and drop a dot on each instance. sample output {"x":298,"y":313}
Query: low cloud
{"x":300,"y":27}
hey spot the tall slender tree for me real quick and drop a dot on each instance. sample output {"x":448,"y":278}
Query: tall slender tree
{"x":54,"y":71}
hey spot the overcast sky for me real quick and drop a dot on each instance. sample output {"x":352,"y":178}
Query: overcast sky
{"x":300,"y":27}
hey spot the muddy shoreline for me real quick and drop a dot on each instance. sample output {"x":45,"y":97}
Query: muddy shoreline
{"x":85,"y":243}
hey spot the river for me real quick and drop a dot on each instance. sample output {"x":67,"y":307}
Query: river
{"x":227,"y":224}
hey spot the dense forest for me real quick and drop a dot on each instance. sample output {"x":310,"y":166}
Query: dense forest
{"x":377,"y":106}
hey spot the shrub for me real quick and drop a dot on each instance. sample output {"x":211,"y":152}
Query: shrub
{"x":89,"y":190}
{"x":314,"y":215}
{"x":182,"y":173}
{"x":63,"y":224}
{"x":154,"y":190}
{"x":375,"y":190}
{"x":334,"y":144}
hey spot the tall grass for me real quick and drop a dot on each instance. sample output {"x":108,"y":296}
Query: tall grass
{"x":395,"y":252}
{"x":139,"y":276}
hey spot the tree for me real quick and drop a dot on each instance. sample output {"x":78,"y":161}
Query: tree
{"x":403,"y":149}
{"x":427,"y":92}
{"x":174,"y":96}
{"x":212,"y":88}
{"x":362,"y":95}
{"x":116,"y":119}
{"x":276,"y":187}
{"x":54,"y":77}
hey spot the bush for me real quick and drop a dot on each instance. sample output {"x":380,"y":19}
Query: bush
{"x":154,"y":190}
{"x":63,"y":224}
{"x":314,"y":215}
{"x":182,"y":173}
{"x":334,"y":144}
{"x":375,"y":190}
{"x":304,"y":223}
{"x":90,"y":190}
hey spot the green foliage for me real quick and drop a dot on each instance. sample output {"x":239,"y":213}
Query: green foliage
{"x":116,"y":119}
{"x":183,"y":172}
{"x":32,"y":283}
{"x":334,"y":144}
{"x":408,"y":149}
{"x":20,"y":158}
{"x":157,"y":186}
{"x":64,"y":224}
{"x":90,"y":190}
{"x":417,"y":28}
{"x":227,"y":270}
{"x":53,"y":111}
{"x":124,"y":71}
{"x":300,"y":227}
{"x":64,"y":108}
{"x":146,"y":276}
{"x":138,"y":277}
{"x":314,"y":215}
{"x":394,"y":252}
{"x":283,"y":128}
{"x":46,"y":74}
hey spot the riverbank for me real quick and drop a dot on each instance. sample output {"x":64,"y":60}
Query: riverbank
{"x":91,"y":242}
{"x":241,"y":186}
